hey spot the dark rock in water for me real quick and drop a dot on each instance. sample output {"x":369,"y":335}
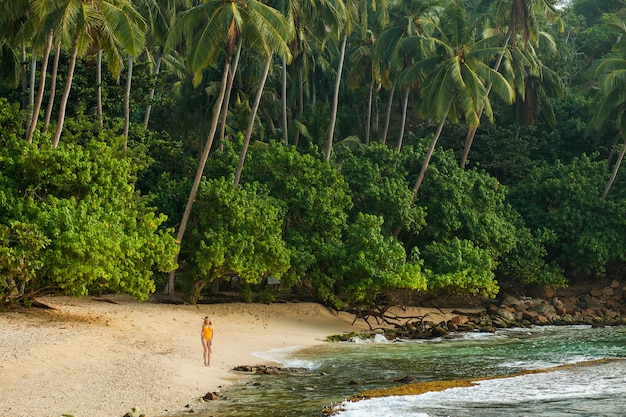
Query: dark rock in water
{"x":438,"y":331}
{"x":353,"y":382}
{"x":268,"y":370}
{"x":406,"y":379}
{"x":210,"y":396}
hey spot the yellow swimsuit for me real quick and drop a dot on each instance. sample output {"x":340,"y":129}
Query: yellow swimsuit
{"x":207,"y":332}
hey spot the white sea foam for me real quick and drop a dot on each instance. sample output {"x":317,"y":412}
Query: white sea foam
{"x":602,"y":387}
{"x":378,"y":338}
{"x":286,"y":356}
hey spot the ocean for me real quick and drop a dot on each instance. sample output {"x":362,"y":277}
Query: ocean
{"x":333,"y":373}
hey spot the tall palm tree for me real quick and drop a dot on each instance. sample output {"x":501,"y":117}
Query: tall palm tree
{"x":42,"y":85}
{"x":340,"y":29}
{"x":516,"y":16}
{"x":206,"y":29}
{"x":401,"y":45}
{"x":113,"y":25}
{"x":278,"y":40}
{"x":456,"y":86}
{"x":364,"y":69}
{"x":53,"y":86}
{"x":612,"y":96}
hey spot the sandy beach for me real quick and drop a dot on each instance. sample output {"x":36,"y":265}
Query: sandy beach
{"x":104,"y":356}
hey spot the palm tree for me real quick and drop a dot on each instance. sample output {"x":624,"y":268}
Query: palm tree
{"x":282,"y":32}
{"x":111,"y":24}
{"x":612,"y":97}
{"x":518,"y":15}
{"x":42,"y":85}
{"x":159,"y":15}
{"x":401,"y":45}
{"x":309,"y":20}
{"x":456,"y":86}
{"x":340,"y":29}
{"x":53,"y":85}
{"x":534,"y":82}
{"x":205,"y":29}
{"x":364,"y":69}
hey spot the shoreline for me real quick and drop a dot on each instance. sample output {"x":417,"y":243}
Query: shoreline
{"x":105,"y":356}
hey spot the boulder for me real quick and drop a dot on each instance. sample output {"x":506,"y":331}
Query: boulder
{"x":545,"y":309}
{"x":510,"y":300}
{"x":210,"y":396}
{"x":506,"y":315}
{"x":438,"y":331}
{"x":459,"y":320}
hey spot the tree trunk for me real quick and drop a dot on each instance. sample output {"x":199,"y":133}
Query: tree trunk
{"x":66,"y":95}
{"x":333,"y":113}
{"x":157,"y":69}
{"x":405,"y":104}
{"x":53,"y":87}
{"x":99,"y":89}
{"x":255,"y":108}
{"x":620,"y":158}
{"x":388,"y":116}
{"x":300,"y":104}
{"x":429,"y":154}
{"x":284,"y":103}
{"x":229,"y":89}
{"x":31,"y":88}
{"x":42,"y":86}
{"x":369,"y":114}
{"x":471,"y":131}
{"x":24,"y":78}
{"x":196,"y":182}
{"x":129,"y":82}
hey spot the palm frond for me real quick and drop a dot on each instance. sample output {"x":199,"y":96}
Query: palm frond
{"x":127,"y":24}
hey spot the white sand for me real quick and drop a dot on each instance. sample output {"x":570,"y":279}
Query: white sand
{"x":102,"y":357}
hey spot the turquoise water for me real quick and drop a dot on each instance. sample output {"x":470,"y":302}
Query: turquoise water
{"x":339,"y":370}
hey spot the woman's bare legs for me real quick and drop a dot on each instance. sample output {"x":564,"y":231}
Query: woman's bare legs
{"x":206,"y":346}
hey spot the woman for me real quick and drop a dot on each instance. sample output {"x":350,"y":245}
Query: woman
{"x":206,"y":336}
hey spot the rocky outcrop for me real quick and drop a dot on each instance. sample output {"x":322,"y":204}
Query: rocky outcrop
{"x":604,"y":306}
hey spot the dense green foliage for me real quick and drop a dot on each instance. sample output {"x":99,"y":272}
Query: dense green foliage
{"x":72,"y":222}
{"x":97,"y":176}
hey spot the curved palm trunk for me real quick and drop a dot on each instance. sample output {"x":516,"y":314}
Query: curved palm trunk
{"x":42,"y":86}
{"x":129,"y":81}
{"x":229,"y":89}
{"x":369,"y":114}
{"x":99,"y":88}
{"x":429,"y":154}
{"x":388,"y":116}
{"x":66,"y":95}
{"x":405,"y":104}
{"x":284,"y":103}
{"x":333,"y":114}
{"x":53,"y":87}
{"x":157,"y":69}
{"x":255,"y":108}
{"x":471,"y":131}
{"x":300,"y":104}
{"x":620,"y":158}
{"x":169,"y":289}
{"x":31,"y":88}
